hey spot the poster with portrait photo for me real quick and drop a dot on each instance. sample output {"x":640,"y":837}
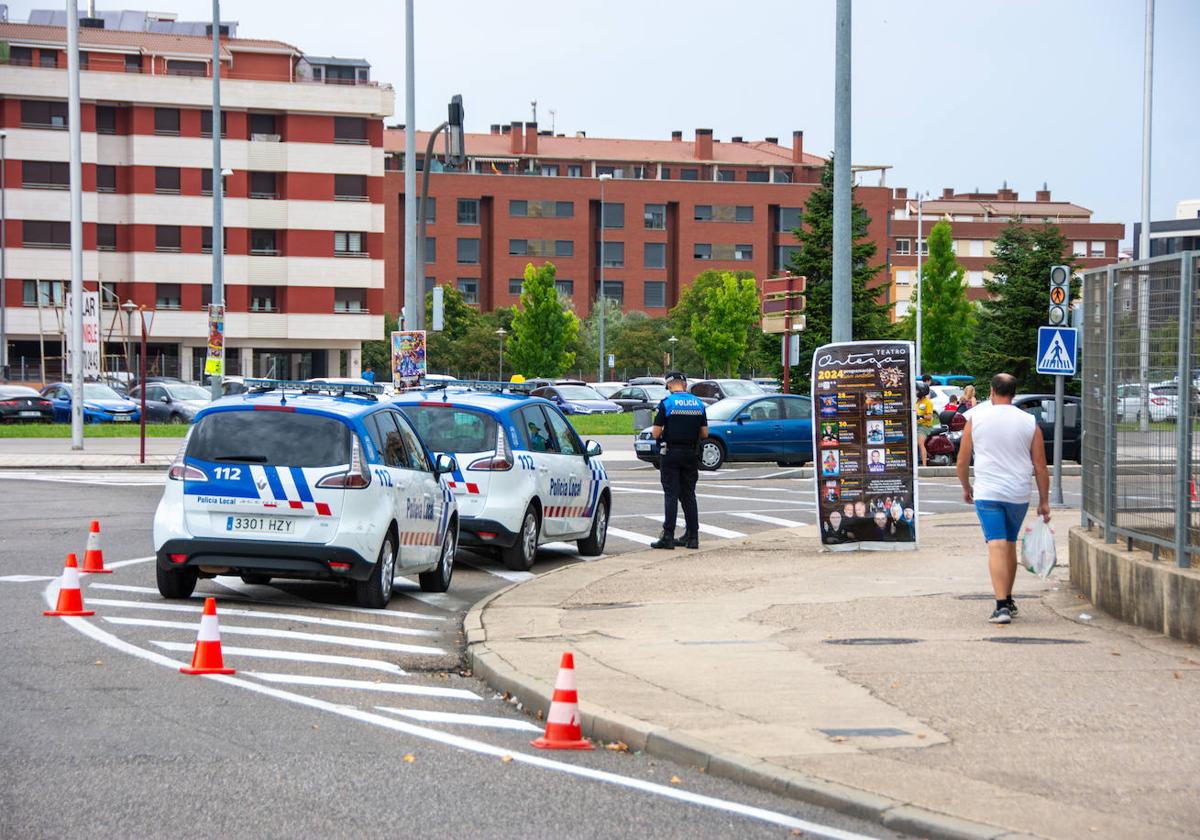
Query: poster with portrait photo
{"x":876,"y":462}
{"x":831,"y":463}
{"x":829,"y":433}
{"x":875,"y":433}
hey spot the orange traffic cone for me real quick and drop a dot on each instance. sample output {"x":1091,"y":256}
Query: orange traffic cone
{"x":206,"y":659}
{"x":93,"y":558}
{"x":70,"y":599}
{"x":562,"y":724}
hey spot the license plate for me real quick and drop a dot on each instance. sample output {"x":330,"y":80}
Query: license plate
{"x":29,"y":414}
{"x":261,"y":524}
{"x":643,"y":447}
{"x":122,"y":418}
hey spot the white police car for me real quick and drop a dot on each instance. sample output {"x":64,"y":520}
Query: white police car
{"x":306,"y":480}
{"x":524,"y":476}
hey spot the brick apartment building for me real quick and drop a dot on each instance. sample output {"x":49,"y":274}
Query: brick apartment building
{"x":977,"y":219}
{"x":673,"y":209}
{"x":304,"y":208}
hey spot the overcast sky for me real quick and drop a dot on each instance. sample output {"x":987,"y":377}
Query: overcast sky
{"x":951,"y":93}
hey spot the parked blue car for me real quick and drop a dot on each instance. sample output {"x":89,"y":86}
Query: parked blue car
{"x":775,"y":427}
{"x":577,"y":399}
{"x":101,"y":404}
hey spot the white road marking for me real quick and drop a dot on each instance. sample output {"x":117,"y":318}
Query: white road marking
{"x":438,"y":600}
{"x":503,"y":574}
{"x":258,"y":592}
{"x":120,"y":564}
{"x":465,"y":720}
{"x":82,"y":477}
{"x":367,"y":685}
{"x":272,"y":633}
{"x":295,"y":656}
{"x":24,"y":578}
{"x":553,"y":546}
{"x":774,"y":817}
{"x":632,"y":536}
{"x":698,"y":495}
{"x":770,"y":520}
{"x":712,"y":530}
{"x":300,"y":619}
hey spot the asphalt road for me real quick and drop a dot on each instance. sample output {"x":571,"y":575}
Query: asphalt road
{"x":340,"y":721}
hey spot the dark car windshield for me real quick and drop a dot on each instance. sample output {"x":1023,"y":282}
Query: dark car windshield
{"x":725,"y":409}
{"x":577,"y":392}
{"x":278,"y":438}
{"x":451,"y":428}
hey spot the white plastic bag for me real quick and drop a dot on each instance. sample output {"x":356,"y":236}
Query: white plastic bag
{"x":1037,"y":548}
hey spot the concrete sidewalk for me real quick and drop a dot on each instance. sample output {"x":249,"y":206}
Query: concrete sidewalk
{"x":728,"y":660}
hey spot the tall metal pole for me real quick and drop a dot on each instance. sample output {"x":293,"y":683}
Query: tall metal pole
{"x":410,"y":172}
{"x":603,"y":303}
{"x":3,"y":251}
{"x":843,"y":329}
{"x":418,"y":318}
{"x":218,"y":183}
{"x":920,"y":285}
{"x":1144,"y":240}
{"x":1056,"y":486}
{"x":76,"y":173}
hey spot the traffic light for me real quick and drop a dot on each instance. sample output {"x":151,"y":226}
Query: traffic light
{"x":456,"y":153}
{"x":1060,"y":294}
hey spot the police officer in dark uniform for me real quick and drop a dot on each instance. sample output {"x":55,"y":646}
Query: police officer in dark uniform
{"x":679,"y":425}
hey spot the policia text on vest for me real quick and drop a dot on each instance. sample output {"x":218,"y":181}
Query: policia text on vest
{"x":679,"y":424}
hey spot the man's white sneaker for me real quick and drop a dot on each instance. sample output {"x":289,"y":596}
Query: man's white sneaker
{"x":1001,"y":616}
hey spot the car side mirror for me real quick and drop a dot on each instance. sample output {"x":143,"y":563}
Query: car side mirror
{"x":166,"y":399}
{"x":592,"y":449}
{"x":446,"y":464}
{"x":743,"y":418}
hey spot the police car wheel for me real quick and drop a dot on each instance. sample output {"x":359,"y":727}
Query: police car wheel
{"x":176,"y":583}
{"x":593,"y":544}
{"x":519,"y":557}
{"x":712,"y":454}
{"x":438,"y":579}
{"x":376,"y":590}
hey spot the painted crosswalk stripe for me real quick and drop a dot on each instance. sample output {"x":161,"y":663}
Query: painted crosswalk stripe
{"x":24,"y":578}
{"x":437,"y":600}
{"x":632,"y":536}
{"x":120,"y":564}
{"x":698,"y":495}
{"x":237,"y":611}
{"x":465,"y":720}
{"x":260,"y":592}
{"x":295,"y":656}
{"x":272,"y":633}
{"x":770,"y":520}
{"x":365,"y":685}
{"x":711,"y":530}
{"x":503,"y":574}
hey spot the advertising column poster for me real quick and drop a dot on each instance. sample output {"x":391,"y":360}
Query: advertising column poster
{"x":864,"y":431}
{"x":408,"y":357}
{"x":214,"y":361}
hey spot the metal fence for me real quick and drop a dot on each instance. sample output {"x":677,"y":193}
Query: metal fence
{"x":1141,"y":403}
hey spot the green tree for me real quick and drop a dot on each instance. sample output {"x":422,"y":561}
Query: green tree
{"x":722,"y":332}
{"x":693,"y":301}
{"x":444,"y":348}
{"x":814,"y":260}
{"x":543,"y":330}
{"x":378,"y":354}
{"x":640,"y":345}
{"x":1006,"y":335}
{"x":947,"y":315}
{"x":587,"y":345}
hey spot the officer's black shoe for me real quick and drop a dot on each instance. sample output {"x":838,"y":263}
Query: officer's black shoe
{"x":665,"y":541}
{"x":690,"y":541}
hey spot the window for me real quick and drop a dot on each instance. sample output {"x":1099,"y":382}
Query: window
{"x":46,"y":234}
{"x":975,"y":247}
{"x":262,"y":184}
{"x":545,"y":209}
{"x":206,"y":123}
{"x":789,"y":219}
{"x":133,"y":64}
{"x":166,"y":121}
{"x":175,"y":67}
{"x":167,"y":296}
{"x":924,"y":247}
{"x":519,"y":209}
{"x":106,"y":237}
{"x":468,"y":287}
{"x":613,"y":216}
{"x":166,"y":179}
{"x":263,"y":299}
{"x":350,"y":187}
{"x":654,"y":255}
{"x":45,"y":174}
{"x":349,"y":130}
{"x":349,"y":300}
{"x":702,"y":251}
{"x":726,"y":175}
{"x":430,"y":211}
{"x":38,"y":113}
{"x":430,"y":249}
{"x":689,"y":174}
{"x":20,"y":56}
{"x":743,"y":214}
{"x":606,"y":170}
{"x":430,"y":283}
{"x":349,"y":243}
{"x":904,"y":277}
{"x":614,"y":290}
{"x":565,"y":288}
{"x":574,"y":171}
{"x":783,"y":176}
{"x":549,"y":170}
{"x":106,"y":119}
{"x":106,"y":178}
{"x":264,"y":243}
{"x":758,"y":176}
{"x":468,"y":252}
{"x":206,"y":182}
{"x":564,"y":434}
{"x":1097,"y":249}
{"x":263,"y":125}
{"x":903,"y":247}
{"x":656,"y":217}
{"x":108,"y":295}
{"x":516,"y":247}
{"x":468,"y":211}
{"x":536,"y":429}
{"x":666,"y":174}
{"x":975,"y":279}
{"x":166,"y":238}
{"x":784,"y":254}
{"x":564,"y":248}
{"x":47,"y":58}
{"x":206,"y":242}
{"x":386,"y":436}
{"x":614,"y":254}
{"x":743,"y":252}
{"x":52,"y":292}
{"x":655,"y":294}
{"x":515,"y":285}
{"x":703,"y":213}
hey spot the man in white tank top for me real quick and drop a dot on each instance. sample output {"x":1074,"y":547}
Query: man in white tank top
{"x":1008,"y":449}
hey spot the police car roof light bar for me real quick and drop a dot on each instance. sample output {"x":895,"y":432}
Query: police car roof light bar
{"x":338,"y":389}
{"x":481,"y":385}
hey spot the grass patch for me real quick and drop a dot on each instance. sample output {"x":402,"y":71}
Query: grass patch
{"x":92,"y":430}
{"x":603,"y":424}
{"x":1155,"y":426}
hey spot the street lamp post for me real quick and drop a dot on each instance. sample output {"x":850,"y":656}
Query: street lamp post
{"x":501,"y":333}
{"x":602,"y":301}
{"x":128,"y":307}
{"x":673,"y":341}
{"x":920,"y":285}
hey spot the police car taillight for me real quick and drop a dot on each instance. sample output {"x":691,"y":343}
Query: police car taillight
{"x":500,"y":460}
{"x":181,"y":471}
{"x":355,"y":478}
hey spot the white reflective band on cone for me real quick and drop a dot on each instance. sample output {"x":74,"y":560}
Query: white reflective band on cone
{"x":566,"y":679}
{"x":561,"y":713}
{"x":70,"y":578}
{"x":208,"y":629}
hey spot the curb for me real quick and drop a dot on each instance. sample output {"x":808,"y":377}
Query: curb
{"x":606,"y":725}
{"x":84,"y":467}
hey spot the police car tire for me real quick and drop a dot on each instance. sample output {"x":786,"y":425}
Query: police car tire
{"x":713,"y":443}
{"x":593,"y":544}
{"x":437,"y":579}
{"x":374,"y":592}
{"x":519,"y":557}
{"x":176,"y":583}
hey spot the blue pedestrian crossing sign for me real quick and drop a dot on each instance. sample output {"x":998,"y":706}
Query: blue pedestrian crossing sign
{"x":1057,"y":347}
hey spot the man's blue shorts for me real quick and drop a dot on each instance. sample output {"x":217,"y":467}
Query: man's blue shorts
{"x":1000,"y":520}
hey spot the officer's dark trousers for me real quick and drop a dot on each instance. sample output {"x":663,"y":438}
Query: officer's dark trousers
{"x":678,"y":472}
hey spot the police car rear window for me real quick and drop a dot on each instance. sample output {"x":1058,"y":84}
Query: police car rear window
{"x":448,"y":428}
{"x":278,"y":438}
